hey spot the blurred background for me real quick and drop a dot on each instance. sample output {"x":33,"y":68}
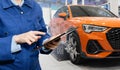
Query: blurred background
{"x":50,"y":6}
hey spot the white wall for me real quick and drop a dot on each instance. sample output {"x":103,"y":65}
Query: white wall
{"x":114,"y":6}
{"x":74,"y":2}
{"x":47,"y":14}
{"x":119,"y":2}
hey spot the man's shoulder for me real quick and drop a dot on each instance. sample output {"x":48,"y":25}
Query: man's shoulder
{"x":35,"y":3}
{"x":1,"y":4}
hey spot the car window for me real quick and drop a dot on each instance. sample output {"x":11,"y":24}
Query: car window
{"x":80,"y":11}
{"x":77,"y":11}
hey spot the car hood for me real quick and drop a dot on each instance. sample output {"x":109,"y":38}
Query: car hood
{"x":102,"y":21}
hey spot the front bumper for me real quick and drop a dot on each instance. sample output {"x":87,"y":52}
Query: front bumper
{"x":106,"y":45}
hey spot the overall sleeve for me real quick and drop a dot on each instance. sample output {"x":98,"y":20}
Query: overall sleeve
{"x":14,"y":46}
{"x":44,"y":37}
{"x":5,"y":49}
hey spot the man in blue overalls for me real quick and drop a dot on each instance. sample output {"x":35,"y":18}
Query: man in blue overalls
{"x":22,"y":29}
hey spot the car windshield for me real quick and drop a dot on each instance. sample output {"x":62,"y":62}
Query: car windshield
{"x":83,"y":11}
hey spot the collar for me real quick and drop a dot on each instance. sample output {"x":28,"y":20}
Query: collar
{"x":14,"y":2}
{"x":29,"y":3}
{"x":7,"y":3}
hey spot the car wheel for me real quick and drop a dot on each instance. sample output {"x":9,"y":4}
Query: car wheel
{"x":73,"y":48}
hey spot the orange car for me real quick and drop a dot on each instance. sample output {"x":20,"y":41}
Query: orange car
{"x":97,"y":36}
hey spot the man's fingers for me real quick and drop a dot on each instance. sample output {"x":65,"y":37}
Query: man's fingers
{"x":39,"y":33}
{"x":28,"y":37}
{"x":36,"y":37}
{"x":28,"y":42}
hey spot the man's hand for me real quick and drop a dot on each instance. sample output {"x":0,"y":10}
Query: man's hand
{"x":28,"y":37}
{"x":51,"y":43}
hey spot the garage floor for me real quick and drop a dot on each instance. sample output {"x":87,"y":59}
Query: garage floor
{"x":48,"y":62}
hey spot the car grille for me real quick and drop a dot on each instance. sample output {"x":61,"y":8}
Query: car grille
{"x":113,"y":37}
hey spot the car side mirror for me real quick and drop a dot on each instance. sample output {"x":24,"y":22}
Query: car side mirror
{"x":62,"y":15}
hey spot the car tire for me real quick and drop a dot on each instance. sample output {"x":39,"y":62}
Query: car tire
{"x":74,"y":45}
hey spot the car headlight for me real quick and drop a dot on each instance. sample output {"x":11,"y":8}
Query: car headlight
{"x":93,"y":28}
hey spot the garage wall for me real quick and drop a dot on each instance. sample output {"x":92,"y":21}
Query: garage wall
{"x":119,"y":2}
{"x":114,"y":6}
{"x":47,"y":14}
